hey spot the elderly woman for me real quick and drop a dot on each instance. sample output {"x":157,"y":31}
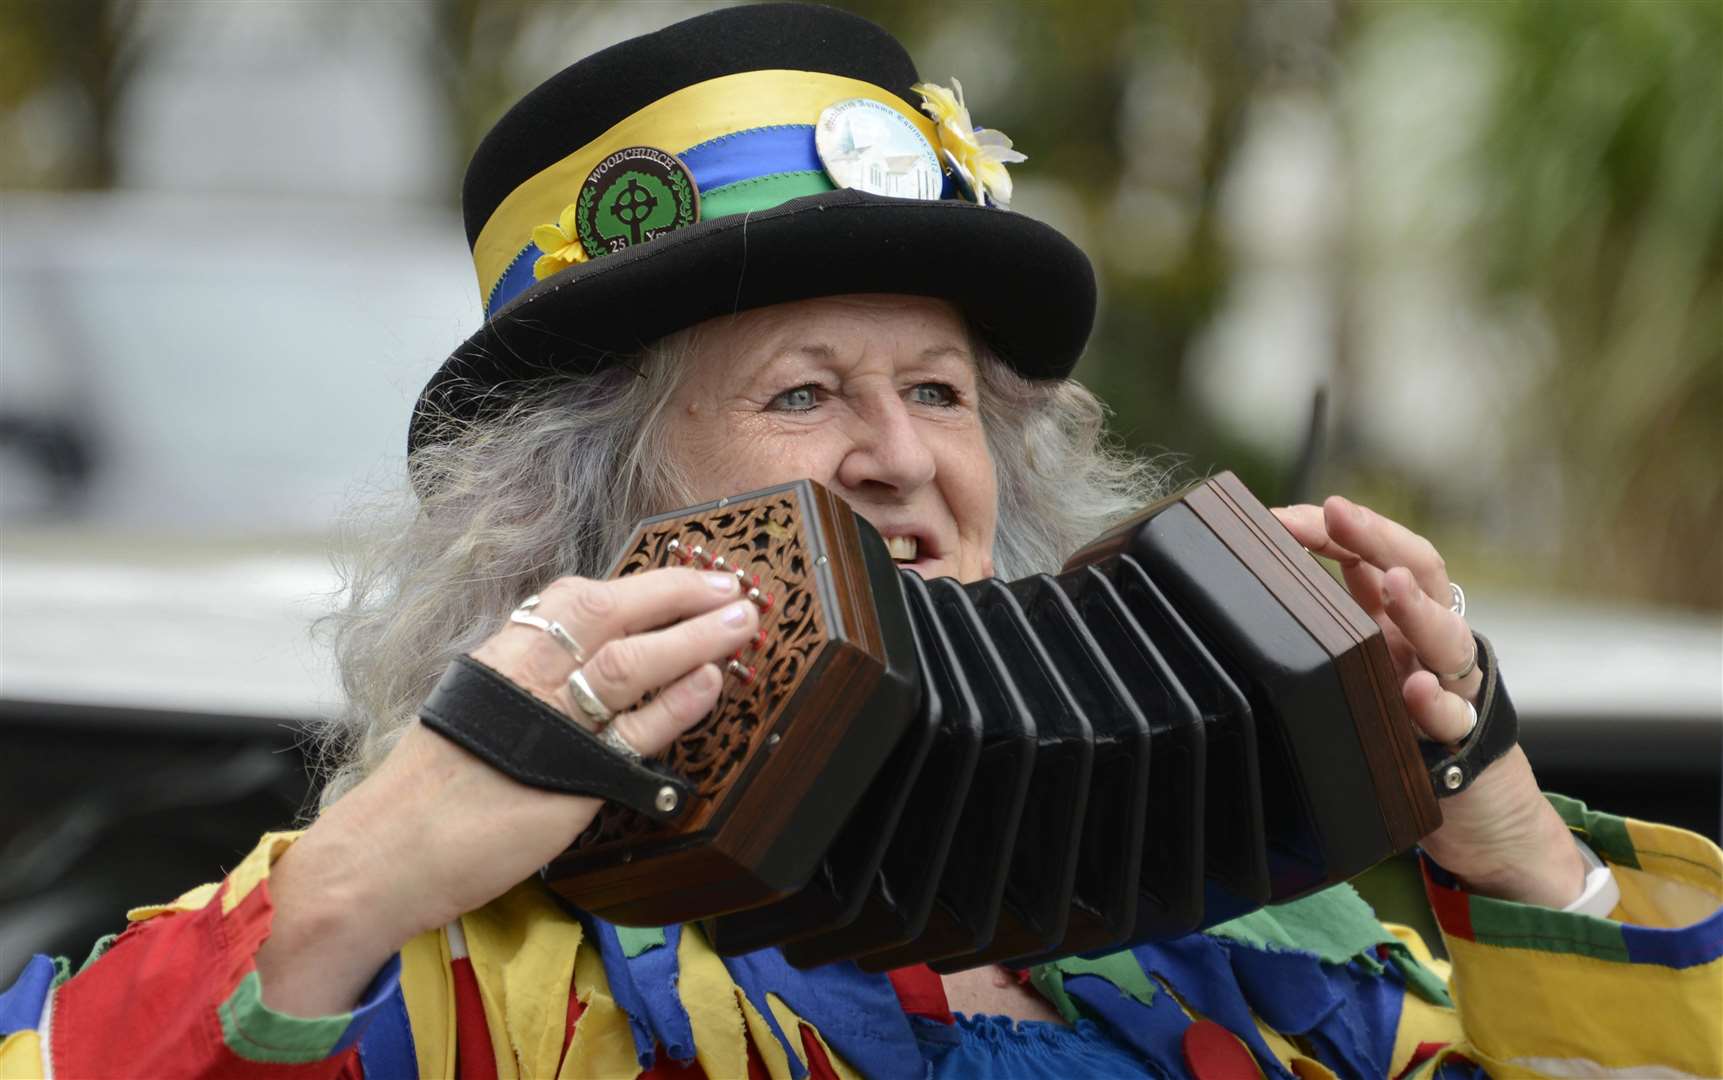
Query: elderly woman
{"x":846,"y":303}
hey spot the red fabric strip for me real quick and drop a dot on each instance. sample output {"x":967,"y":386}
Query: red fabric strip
{"x":1452,"y":908}
{"x":1424,"y":1052}
{"x":474,"y":1057}
{"x":819,"y":1065}
{"x":921,"y":993}
{"x":148,"y":1006}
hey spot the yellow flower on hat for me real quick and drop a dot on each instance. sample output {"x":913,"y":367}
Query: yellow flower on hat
{"x":560,"y":244}
{"x":981,"y":153}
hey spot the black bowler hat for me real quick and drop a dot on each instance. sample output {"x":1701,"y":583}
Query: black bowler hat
{"x":689,"y":173}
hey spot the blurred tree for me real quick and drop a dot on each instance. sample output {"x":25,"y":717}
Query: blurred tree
{"x":1601,"y":162}
{"x":65,"y":65}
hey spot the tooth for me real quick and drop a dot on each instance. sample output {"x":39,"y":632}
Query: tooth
{"x":902,"y":548}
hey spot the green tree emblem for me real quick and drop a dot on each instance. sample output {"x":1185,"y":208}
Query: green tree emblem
{"x":634,"y":204}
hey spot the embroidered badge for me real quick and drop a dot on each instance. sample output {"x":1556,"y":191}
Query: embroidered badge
{"x":634,"y":195}
{"x":870,"y":146}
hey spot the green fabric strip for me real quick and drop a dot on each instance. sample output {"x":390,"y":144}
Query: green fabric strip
{"x":761,"y":193}
{"x":1606,"y":833}
{"x":638,"y":939}
{"x":1526,"y":926}
{"x":258,"y":1033}
{"x":63,"y":967}
{"x":1419,"y":979}
{"x":1049,"y":981}
{"x":1335,"y":924}
{"x":1120,"y":968}
{"x":96,"y":950}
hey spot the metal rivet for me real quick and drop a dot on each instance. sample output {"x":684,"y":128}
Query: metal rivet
{"x":821,"y":561}
{"x":674,"y":545}
{"x":773,"y":739}
{"x":718,"y":563}
{"x":666,"y":800}
{"x":1453,"y":777}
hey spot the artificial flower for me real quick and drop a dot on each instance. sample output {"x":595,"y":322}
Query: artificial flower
{"x":981,"y":154}
{"x":560,"y":244}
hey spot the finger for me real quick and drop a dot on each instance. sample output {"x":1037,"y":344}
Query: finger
{"x":596,"y":612}
{"x":1306,"y":524}
{"x":1441,"y":638}
{"x":626,"y":669}
{"x":1385,"y":543}
{"x":656,"y":724}
{"x":1443,"y":716}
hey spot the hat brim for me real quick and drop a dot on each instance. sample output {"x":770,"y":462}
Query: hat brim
{"x":1027,"y":289}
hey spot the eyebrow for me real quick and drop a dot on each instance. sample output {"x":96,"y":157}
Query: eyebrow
{"x":819,"y":350}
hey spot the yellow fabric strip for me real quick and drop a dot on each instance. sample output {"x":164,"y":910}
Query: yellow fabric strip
{"x":192,"y":900}
{"x":1420,"y":1020}
{"x":771,"y":1050}
{"x":21,"y":1056}
{"x":522,"y":949}
{"x":603,"y":1043}
{"x":428,"y":987}
{"x":254,"y":868}
{"x":244,"y":878}
{"x":1687,"y":861}
{"x":674,"y":123}
{"x":709,"y":997}
{"x":1520,"y":1003}
{"x":792,"y":1025}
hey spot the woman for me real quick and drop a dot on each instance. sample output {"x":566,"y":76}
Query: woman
{"x":910,"y":353}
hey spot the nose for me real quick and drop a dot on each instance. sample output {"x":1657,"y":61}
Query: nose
{"x":888,"y":453}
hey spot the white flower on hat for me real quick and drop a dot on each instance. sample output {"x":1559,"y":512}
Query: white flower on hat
{"x":981,"y":153}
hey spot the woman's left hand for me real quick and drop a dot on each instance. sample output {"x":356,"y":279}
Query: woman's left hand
{"x":1500,"y":835}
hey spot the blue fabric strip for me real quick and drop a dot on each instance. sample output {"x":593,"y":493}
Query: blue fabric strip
{"x":857,"y":1014}
{"x":386,"y":1049}
{"x":1683,"y":947}
{"x":1154,"y":1031}
{"x":374,"y":1003}
{"x":655,"y":974}
{"x":21,"y":1004}
{"x":744,"y":155}
{"x":622,"y":988}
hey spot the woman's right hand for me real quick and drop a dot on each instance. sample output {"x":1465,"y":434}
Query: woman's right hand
{"x":436,"y":832}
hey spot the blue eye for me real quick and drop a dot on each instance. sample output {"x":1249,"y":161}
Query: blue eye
{"x":797,"y":399}
{"x":937,"y":394}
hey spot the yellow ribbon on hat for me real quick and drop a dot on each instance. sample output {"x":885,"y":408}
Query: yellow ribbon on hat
{"x":674,"y":123}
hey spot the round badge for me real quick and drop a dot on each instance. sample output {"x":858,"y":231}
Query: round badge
{"x":870,"y":146}
{"x":633,"y":196}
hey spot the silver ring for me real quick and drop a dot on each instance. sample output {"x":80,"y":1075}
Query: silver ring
{"x":1471,"y":727}
{"x":1470,"y":666}
{"x":1458,"y":607}
{"x":525,"y":617}
{"x":581,"y":691}
{"x":613,"y":739}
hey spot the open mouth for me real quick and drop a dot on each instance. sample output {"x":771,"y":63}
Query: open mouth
{"x":902,"y":548}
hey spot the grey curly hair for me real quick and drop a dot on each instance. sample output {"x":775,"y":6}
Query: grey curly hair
{"x":554,"y":485}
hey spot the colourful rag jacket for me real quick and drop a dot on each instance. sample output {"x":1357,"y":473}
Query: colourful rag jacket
{"x":1316,"y":988}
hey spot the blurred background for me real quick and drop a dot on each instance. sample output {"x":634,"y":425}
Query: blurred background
{"x":1462,"y":261}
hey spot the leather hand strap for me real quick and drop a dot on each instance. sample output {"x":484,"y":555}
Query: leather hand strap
{"x":1454,"y":767}
{"x":516,"y":733}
